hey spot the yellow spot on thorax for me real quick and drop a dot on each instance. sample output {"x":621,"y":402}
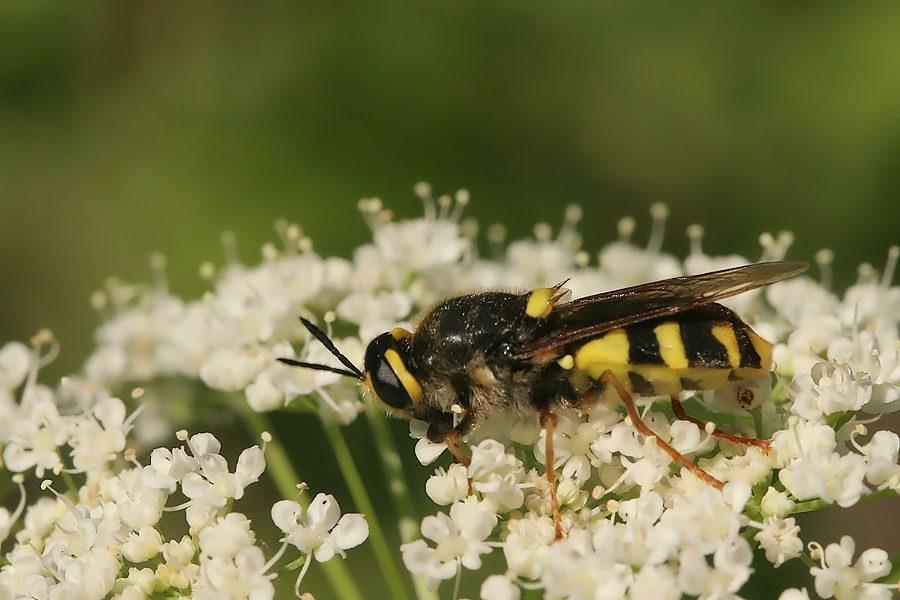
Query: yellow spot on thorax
{"x":540,"y":303}
{"x":398,"y":333}
{"x":566,"y":362}
{"x":725,"y":334}
{"x":409,"y":382}
{"x":671,"y":346}
{"x":611,"y":349}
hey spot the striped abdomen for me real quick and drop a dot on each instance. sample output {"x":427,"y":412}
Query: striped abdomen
{"x":700,"y":349}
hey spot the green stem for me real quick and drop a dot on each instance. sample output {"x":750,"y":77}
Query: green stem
{"x":399,"y":490}
{"x":812,"y":505}
{"x":364,"y":504}
{"x":282,"y":472}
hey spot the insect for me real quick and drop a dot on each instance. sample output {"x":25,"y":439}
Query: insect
{"x":499,"y":351}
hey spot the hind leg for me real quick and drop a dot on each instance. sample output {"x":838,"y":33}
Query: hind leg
{"x":678,"y":409}
{"x":608,"y":378}
{"x":548,"y":422}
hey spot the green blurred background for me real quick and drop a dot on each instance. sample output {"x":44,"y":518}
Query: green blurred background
{"x":129,"y":128}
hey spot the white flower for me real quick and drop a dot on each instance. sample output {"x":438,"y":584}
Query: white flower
{"x":448,"y":485}
{"x":829,"y":476}
{"x":214,"y":485}
{"x":731,"y":568}
{"x":142,"y":545}
{"x":35,"y":439}
{"x":227,"y":536}
{"x":459,"y":539}
{"x":657,"y":582}
{"x":240,"y":578}
{"x":498,"y":587}
{"x":779,"y":539}
{"x":776,"y":504}
{"x":322,"y":530}
{"x":836,"y":578}
{"x":794,"y":594}
{"x":527,"y":544}
{"x":882,"y":451}
{"x":496,"y":475}
{"x":15,"y":361}
{"x":98,"y":437}
{"x":835,"y":388}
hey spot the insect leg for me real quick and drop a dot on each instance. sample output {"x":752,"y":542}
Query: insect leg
{"x":678,"y":409}
{"x":465,"y":425}
{"x":610,"y":379}
{"x":548,"y":421}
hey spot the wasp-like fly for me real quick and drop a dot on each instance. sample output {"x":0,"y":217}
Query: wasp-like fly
{"x":497,"y":351}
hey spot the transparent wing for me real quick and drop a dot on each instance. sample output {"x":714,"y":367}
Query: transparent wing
{"x":592,"y":316}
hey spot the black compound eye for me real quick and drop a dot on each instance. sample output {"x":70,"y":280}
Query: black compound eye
{"x":388,"y":376}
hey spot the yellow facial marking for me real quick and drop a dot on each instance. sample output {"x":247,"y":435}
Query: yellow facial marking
{"x":762,"y":347}
{"x":671,"y":346}
{"x":566,"y":362}
{"x":540,"y":303}
{"x":611,"y":349}
{"x":398,"y":333}
{"x":410,"y":384}
{"x":726,"y":337}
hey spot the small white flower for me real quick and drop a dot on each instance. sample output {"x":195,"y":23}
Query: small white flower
{"x":227,"y":536}
{"x":829,"y":476}
{"x":459,"y":539}
{"x":779,"y":539}
{"x":776,"y":504}
{"x":882,"y":452}
{"x":527,"y":544}
{"x":142,"y":545}
{"x":447,"y":486}
{"x":836,"y":578}
{"x":322,"y":530}
{"x":15,"y":361}
{"x":498,"y":587}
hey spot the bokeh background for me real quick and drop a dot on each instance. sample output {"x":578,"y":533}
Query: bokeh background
{"x":131,"y":128}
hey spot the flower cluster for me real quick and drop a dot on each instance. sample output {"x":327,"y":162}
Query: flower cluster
{"x":637,"y":525}
{"x":101,"y":537}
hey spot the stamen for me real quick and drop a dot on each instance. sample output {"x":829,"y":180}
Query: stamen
{"x":582,"y":259}
{"x":695,"y":237}
{"x":568,"y":235}
{"x":462,"y":200}
{"x":543,"y":232}
{"x":423,"y":191}
{"x":865,"y":273}
{"x":302,"y":574}
{"x":659,"y":212}
{"x":208,"y":269}
{"x":19,"y":480}
{"x":158,"y":266}
{"x":496,"y":235}
{"x":444,"y":203}
{"x":271,"y":562}
{"x":824,"y":258}
{"x":889,"y":267}
{"x":229,"y":248}
{"x":770,"y":251}
{"x":626,"y":227}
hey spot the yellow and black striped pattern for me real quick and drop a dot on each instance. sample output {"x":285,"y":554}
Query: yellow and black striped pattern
{"x":681,"y":353}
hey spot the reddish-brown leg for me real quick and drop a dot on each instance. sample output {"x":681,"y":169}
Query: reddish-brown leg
{"x":450,"y":439}
{"x":678,"y":409}
{"x":548,"y":422}
{"x":609,"y":378}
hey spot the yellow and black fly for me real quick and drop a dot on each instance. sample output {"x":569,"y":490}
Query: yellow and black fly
{"x":497,"y":351}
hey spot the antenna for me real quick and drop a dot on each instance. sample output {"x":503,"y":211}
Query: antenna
{"x":351,"y":371}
